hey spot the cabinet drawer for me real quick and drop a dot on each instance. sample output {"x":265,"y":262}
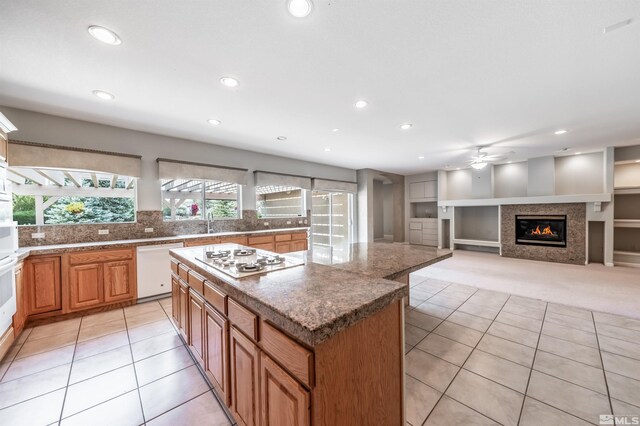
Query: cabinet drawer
{"x":299,"y":236}
{"x":260,"y":240}
{"x":100,"y":256}
{"x":432,"y":224}
{"x":215,"y":297}
{"x":174,"y":266}
{"x":204,"y":242}
{"x":415,"y":225}
{"x":429,"y":232}
{"x":243,"y":319}
{"x":234,"y":240}
{"x":196,"y":281}
{"x":295,"y":358}
{"x":183,"y":272}
{"x":283,"y":237}
{"x":265,"y":246}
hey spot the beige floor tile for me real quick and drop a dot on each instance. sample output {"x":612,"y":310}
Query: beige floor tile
{"x":456,"y":293}
{"x":433,"y":285}
{"x":420,"y":400}
{"x":23,"y":336}
{"x":571,"y":334}
{"x":163,"y":364}
{"x":528,"y":302}
{"x":449,"y":412}
{"x":37,"y":384}
{"x":507,"y":373}
{"x":491,"y":399}
{"x":535,"y":413}
{"x":99,"y":389}
{"x":101,"y":363}
{"x":516,"y":320}
{"x":574,"y":351}
{"x":145,"y":318}
{"x":571,"y":311}
{"x":624,"y":389}
{"x":487,"y":301}
{"x":39,"y":362}
{"x":124,"y":410}
{"x":433,"y":310}
{"x":623,"y":409}
{"x":458,"y":333}
{"x":424,"y":321}
{"x":471,"y":321}
{"x":46,"y":344}
{"x":632,"y":336}
{"x":142,"y":308}
{"x":42,"y":410}
{"x":153,"y":329}
{"x":418,"y":296}
{"x":479,"y":310}
{"x":573,"y":322}
{"x":565,"y":396}
{"x":524,"y":311}
{"x":167,"y":393}
{"x":621,"y":365}
{"x":447,"y":302}
{"x":99,"y":330}
{"x":515,"y":334}
{"x":407,"y":348}
{"x":413,"y":334}
{"x":3,"y":368}
{"x":430,"y":370}
{"x":617,"y":320}
{"x":571,"y":371}
{"x":102,"y":317}
{"x":414,"y":279}
{"x":512,"y":351}
{"x":203,"y":410}
{"x":492,"y":295}
{"x":101,"y":344}
{"x":60,"y":327}
{"x":447,"y":349}
{"x":619,"y":347}
{"x":155,"y":345}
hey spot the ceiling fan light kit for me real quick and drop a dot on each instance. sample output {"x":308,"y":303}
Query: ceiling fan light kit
{"x":479,"y":165}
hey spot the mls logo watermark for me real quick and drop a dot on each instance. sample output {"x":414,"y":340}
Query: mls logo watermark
{"x":610,"y":419}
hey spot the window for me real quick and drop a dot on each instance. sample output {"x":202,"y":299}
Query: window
{"x":279,"y":201}
{"x":185,"y":199}
{"x":55,"y":196}
{"x":331,"y":218}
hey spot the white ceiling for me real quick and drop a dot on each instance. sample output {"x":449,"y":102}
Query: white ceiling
{"x":464,"y":72}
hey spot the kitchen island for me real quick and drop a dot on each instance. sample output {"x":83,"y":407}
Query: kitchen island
{"x":320,"y":343}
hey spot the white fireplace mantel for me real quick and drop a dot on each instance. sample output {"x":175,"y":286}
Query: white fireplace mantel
{"x":544,"y":199}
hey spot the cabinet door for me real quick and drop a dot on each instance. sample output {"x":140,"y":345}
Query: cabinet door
{"x":183,"y":324}
{"x":417,"y":190}
{"x":283,"y":401}
{"x":431,"y":189}
{"x":299,"y":245}
{"x":196,"y":327}
{"x":175,"y":300}
{"x":119,"y":281}
{"x":217,"y":356}
{"x":415,"y":236}
{"x":42,"y":285}
{"x":20,"y":316}
{"x":85,"y":286}
{"x":283,"y":247}
{"x":244,"y":379}
{"x":265,"y":246}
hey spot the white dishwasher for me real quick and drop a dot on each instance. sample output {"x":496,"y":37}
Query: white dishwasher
{"x":154,"y":271}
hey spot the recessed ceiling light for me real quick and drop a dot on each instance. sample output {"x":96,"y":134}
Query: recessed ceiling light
{"x":214,"y":122}
{"x":104,"y":95}
{"x":327,"y":149}
{"x":406,"y":126}
{"x":577,"y":153}
{"x":617,"y":26}
{"x":457,"y":168}
{"x":361,"y":104}
{"x":637,"y":161}
{"x":421,"y":157}
{"x":509,"y":162}
{"x":560,"y":132}
{"x":299,"y":8}
{"x":335,"y":130}
{"x":104,"y":35}
{"x":229,"y":81}
{"x":282,"y":138}
{"x":565,"y":149}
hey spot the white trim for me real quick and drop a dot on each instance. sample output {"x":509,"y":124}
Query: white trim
{"x":545,"y":199}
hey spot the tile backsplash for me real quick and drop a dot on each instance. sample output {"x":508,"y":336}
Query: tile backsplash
{"x":67,"y":234}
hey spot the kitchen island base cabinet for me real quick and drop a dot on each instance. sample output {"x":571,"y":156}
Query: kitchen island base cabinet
{"x":183,"y":309}
{"x":196,"y":321}
{"x":217,"y":357}
{"x":283,"y":401}
{"x":244,"y":360}
{"x":43,"y":284}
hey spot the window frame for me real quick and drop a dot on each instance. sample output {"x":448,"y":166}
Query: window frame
{"x":202,"y":197}
{"x":303,"y":203}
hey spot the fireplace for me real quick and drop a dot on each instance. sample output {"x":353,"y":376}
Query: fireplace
{"x":541,"y":230}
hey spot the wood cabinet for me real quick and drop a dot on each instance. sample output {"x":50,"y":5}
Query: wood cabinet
{"x":42,"y":277}
{"x":196,"y":326}
{"x":119,"y":280}
{"x":203,"y":242}
{"x":175,"y":300}
{"x":183,"y":302}
{"x":280,"y":243}
{"x":216,"y":330}
{"x":20,"y":316}
{"x":235,"y":240}
{"x":283,"y":401}
{"x":284,"y":247}
{"x":86,"y":287}
{"x":244,"y":361}
{"x":299,"y":245}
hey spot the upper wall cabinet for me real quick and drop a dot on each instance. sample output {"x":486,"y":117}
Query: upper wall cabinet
{"x":423,"y":190}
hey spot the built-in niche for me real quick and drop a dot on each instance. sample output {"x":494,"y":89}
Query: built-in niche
{"x":423,"y":210}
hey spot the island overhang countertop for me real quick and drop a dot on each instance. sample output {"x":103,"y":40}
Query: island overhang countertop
{"x":332,"y":290}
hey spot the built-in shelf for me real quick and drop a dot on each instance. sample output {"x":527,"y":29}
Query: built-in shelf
{"x":545,"y":199}
{"x":626,"y":258}
{"x":630,"y":190}
{"x":482,"y":243}
{"x":627,"y":223}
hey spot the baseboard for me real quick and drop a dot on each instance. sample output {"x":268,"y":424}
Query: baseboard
{"x":608,"y":264}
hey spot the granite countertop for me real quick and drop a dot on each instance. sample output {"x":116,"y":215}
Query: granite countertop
{"x":315,"y":301}
{"x":23,"y":252}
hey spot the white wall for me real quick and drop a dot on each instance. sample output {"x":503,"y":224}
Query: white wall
{"x":580,"y":174}
{"x":43,"y":128}
{"x":541,"y":176}
{"x":459,"y":184}
{"x":482,"y":182}
{"x":510,"y":180}
{"x":378,"y":209}
{"x":387,"y":208}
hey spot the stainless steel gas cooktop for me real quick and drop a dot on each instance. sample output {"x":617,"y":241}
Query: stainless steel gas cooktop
{"x":242,"y":262}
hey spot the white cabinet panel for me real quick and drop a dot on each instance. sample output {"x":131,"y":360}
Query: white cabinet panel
{"x":431,"y":189}
{"x":415,"y":236}
{"x":415,"y":225}
{"x":417,"y":190}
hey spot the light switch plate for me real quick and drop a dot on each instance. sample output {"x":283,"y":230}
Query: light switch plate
{"x":103,"y":232}
{"x":148,"y":229}
{"x":288,"y":222}
{"x":266,"y":224}
{"x":37,"y":235}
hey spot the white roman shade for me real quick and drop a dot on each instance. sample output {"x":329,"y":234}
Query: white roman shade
{"x":44,"y":156}
{"x":173,"y":169}
{"x":280,"y":179}
{"x":334,"y":185}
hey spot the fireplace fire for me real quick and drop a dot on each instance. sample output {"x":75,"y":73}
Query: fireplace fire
{"x":541,"y":230}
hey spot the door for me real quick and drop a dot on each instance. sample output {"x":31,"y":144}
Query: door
{"x":119,"y":280}
{"x":415,"y":236}
{"x":284,"y":247}
{"x":596,"y":242}
{"x":175,"y":301}
{"x":183,"y":298}
{"x":244,"y":379}
{"x":417,"y":190}
{"x":331,"y":218}
{"x":217,"y":358}
{"x":42,"y":278}
{"x":85,"y":286}
{"x":196,"y":329}
{"x":283,"y":401}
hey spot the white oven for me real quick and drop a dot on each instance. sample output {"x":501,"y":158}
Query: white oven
{"x":7,"y":292}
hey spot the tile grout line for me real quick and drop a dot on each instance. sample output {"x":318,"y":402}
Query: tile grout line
{"x":604,"y":373}
{"x":66,"y":389}
{"x":533,"y":363}
{"x":135,"y":373}
{"x":15,"y":356}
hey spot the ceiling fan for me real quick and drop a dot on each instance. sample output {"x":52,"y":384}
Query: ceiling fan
{"x":481,"y":159}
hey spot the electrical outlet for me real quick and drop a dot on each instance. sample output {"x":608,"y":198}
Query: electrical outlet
{"x":103,"y":232}
{"x":305,"y":221}
{"x":288,"y":222}
{"x":37,"y":235}
{"x":266,"y":224}
{"x":148,"y":229}
{"x":300,"y":222}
